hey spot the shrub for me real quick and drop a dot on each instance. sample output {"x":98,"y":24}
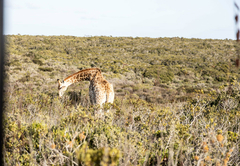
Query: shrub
{"x":159,"y":72}
{"x":102,"y":156}
{"x":48,"y":69}
{"x":38,"y":61}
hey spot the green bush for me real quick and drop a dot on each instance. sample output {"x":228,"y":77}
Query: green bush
{"x":48,"y":69}
{"x":159,"y":72}
{"x":103,"y":156}
{"x":38,"y":61}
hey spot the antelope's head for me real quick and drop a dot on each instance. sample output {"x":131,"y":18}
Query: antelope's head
{"x":62,"y":87}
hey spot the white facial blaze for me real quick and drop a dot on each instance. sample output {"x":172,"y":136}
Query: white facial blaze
{"x":62,"y":87}
{"x":62,"y":90}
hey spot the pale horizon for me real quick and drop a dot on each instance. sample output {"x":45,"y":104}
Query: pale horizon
{"x":155,"y":18}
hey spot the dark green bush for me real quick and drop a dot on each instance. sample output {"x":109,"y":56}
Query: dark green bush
{"x":159,"y":72}
{"x":38,"y":61}
{"x":48,"y":69}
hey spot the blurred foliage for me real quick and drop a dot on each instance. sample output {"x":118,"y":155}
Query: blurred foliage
{"x":103,"y":156}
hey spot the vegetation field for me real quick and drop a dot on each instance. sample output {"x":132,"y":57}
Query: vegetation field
{"x":177,"y":102}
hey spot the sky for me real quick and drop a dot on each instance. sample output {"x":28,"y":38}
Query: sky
{"x":137,"y":18}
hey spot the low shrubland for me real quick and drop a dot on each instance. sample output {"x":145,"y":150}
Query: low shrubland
{"x":42,"y":129}
{"x":177,"y":102}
